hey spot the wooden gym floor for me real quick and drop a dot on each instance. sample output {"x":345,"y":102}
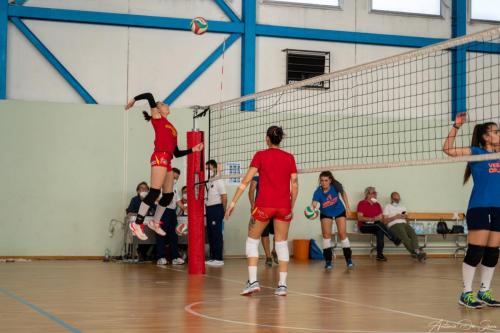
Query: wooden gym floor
{"x":400,"y":295}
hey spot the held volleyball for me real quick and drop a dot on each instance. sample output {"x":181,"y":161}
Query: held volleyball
{"x":310,"y":213}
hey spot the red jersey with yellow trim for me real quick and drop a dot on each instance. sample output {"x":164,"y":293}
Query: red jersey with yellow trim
{"x":165,"y":135}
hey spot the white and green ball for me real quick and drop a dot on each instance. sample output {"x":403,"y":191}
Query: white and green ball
{"x":199,"y":25}
{"x":311,"y":213}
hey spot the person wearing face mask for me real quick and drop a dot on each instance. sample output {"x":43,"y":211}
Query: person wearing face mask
{"x":215,"y":207}
{"x":369,"y":221}
{"x":168,"y":224}
{"x":395,"y":220}
{"x":142,"y":190}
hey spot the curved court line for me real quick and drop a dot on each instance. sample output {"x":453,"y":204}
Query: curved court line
{"x":482,"y":329}
{"x":40,"y":311}
{"x":188,"y":308}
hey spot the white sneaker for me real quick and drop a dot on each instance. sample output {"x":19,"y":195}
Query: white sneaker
{"x":161,"y":261}
{"x":178,"y":261}
{"x":215,"y":263}
{"x":138,"y":230}
{"x":250,"y":288}
{"x":281,"y":291}
{"x":208,"y":262}
{"x":156,"y":227}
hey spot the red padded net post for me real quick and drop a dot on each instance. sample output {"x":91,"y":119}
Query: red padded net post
{"x":196,"y":205}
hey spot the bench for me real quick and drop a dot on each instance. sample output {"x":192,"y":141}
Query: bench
{"x":414,"y":217}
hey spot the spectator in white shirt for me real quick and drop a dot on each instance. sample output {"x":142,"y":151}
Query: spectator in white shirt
{"x":394,"y":217}
{"x":215,"y":207}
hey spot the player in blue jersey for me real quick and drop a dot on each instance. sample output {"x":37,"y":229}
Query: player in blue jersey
{"x":483,"y":212}
{"x":327,"y":198}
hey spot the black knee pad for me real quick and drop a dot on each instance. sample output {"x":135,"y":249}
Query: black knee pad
{"x":490,"y":256}
{"x":166,"y":199}
{"x":152,"y":196}
{"x":474,"y":255}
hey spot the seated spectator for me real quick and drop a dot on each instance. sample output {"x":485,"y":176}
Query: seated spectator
{"x":184,"y":202}
{"x":395,"y":220}
{"x":183,"y":212}
{"x":169,"y":222}
{"x":370,"y":221}
{"x":142,"y":190}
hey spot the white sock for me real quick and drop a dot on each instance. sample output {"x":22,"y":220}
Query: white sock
{"x":282,"y":279}
{"x":327,"y":243}
{"x":486,"y":277}
{"x":468,"y":272}
{"x":159,"y":213}
{"x":345,"y":243}
{"x":143,"y":209}
{"x":252,"y":274}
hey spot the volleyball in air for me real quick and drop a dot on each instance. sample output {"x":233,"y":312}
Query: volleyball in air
{"x":199,"y":25}
{"x":310,"y":213}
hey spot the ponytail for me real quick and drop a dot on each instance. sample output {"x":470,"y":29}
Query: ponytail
{"x":477,"y":141}
{"x":275,"y":134}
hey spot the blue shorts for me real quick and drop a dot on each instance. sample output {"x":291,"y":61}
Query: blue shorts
{"x":483,"y":218}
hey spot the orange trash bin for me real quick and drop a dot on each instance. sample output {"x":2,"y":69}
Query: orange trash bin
{"x":301,"y":249}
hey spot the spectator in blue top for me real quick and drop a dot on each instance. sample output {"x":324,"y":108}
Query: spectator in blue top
{"x":328,"y":197}
{"x":142,"y":190}
{"x":483,"y":213}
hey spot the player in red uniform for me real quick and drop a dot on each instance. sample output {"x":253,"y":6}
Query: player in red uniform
{"x":278,"y":189}
{"x":162,"y":176}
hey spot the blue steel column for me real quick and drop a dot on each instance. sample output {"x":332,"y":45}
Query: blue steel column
{"x":248,"y":53}
{"x":459,"y":59}
{"x":3,"y":48}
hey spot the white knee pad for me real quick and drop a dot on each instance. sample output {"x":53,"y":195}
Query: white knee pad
{"x":345,"y":243}
{"x":282,"y":251}
{"x":327,"y":243}
{"x":252,"y":247}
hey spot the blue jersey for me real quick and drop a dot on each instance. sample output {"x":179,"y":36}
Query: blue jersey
{"x":330,"y":203}
{"x":486,"y":177}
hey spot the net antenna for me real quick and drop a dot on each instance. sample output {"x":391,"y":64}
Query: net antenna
{"x":392,"y":112}
{"x":198,"y":112}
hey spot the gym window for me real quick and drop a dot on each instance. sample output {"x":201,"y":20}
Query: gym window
{"x":484,"y":10}
{"x":413,"y":7}
{"x":313,"y":3}
{"x":302,"y":64}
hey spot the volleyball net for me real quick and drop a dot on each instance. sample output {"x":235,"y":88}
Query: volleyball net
{"x":395,"y":111}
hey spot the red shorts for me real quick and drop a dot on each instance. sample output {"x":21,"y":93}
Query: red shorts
{"x":265,"y":214}
{"x":162,"y":159}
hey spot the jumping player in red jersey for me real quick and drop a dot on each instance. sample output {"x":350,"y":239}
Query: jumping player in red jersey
{"x":162,"y":176}
{"x":278,"y":189}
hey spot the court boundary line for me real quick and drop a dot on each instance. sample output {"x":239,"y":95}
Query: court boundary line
{"x":39,"y":310}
